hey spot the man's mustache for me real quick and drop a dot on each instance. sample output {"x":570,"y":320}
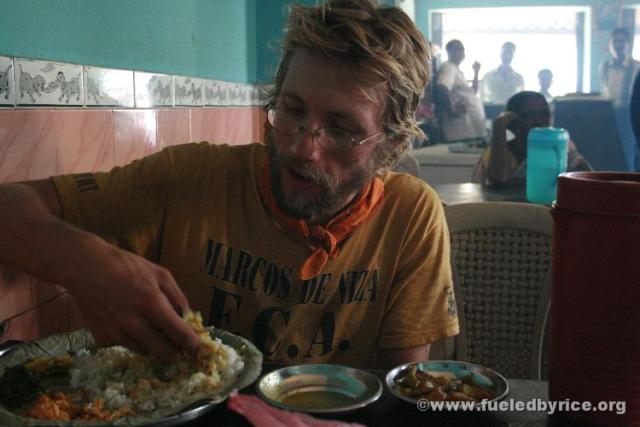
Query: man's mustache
{"x":308,"y":171}
{"x":315,"y":175}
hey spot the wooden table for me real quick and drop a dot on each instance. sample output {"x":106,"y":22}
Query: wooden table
{"x":438,"y":164}
{"x":468,"y":192}
{"x":390,"y":411}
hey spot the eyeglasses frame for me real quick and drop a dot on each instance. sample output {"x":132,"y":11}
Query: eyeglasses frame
{"x":314,"y":133}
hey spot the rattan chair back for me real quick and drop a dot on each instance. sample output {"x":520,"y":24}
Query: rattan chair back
{"x":501,"y":260}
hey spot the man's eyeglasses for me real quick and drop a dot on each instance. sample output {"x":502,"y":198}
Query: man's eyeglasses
{"x":330,"y":138}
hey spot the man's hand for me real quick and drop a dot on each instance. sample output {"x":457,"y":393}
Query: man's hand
{"x":125,"y":298}
{"x":476,"y":67}
{"x":507,"y":120}
{"x":130,"y":301}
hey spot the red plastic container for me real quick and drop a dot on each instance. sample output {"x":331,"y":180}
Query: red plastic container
{"x":595,"y":298}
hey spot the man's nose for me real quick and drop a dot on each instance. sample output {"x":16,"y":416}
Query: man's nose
{"x":305,"y":145}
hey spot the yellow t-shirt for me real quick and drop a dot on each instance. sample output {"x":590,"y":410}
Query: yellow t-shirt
{"x":196,"y":210}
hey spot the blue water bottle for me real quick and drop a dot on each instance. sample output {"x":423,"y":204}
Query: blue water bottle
{"x":546,"y":159}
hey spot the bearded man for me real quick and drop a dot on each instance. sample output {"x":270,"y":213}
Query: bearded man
{"x":306,"y":245}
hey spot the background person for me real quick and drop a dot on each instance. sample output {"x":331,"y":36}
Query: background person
{"x":305,"y":245}
{"x":499,"y":84}
{"x":504,"y":160}
{"x":617,"y":74}
{"x":545,"y":80}
{"x":616,"y":79}
{"x":460,"y":111}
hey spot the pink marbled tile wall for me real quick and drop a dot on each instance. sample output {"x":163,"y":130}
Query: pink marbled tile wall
{"x":221,"y":125}
{"x":37,"y":143}
{"x":27,"y":144}
{"x":135,"y":135}
{"x":85,"y":141}
{"x":40,"y":142}
{"x":173,"y":126}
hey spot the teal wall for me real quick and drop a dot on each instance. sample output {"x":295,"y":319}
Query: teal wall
{"x":271,"y":18}
{"x":599,"y":32}
{"x":203,"y":38}
{"x":235,"y":40}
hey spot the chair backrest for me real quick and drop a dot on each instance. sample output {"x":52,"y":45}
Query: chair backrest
{"x":593,"y":126}
{"x":501,"y":260}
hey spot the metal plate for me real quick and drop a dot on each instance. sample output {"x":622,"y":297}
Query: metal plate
{"x":60,"y":344}
{"x":358,"y":387}
{"x":485,"y":377}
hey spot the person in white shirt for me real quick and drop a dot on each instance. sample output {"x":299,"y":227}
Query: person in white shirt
{"x":500,"y":84}
{"x":617,"y":73}
{"x":460,"y":111}
{"x":545,"y":79}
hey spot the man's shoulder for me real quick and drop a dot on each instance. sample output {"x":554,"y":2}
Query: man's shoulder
{"x":401,"y":188}
{"x":205,"y":147}
{"x":202,"y":156}
{"x":204,"y":150}
{"x":491,"y":72}
{"x":447,"y":67}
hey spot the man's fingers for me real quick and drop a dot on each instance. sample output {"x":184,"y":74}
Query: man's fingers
{"x":102,"y":337}
{"x":174,"y":294}
{"x":177,"y":330}
{"x":154,"y":342}
{"x":107,"y":334}
{"x":133,"y":345}
{"x":103,"y":333}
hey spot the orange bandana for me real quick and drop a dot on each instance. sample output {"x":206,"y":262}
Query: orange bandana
{"x":324,"y":241}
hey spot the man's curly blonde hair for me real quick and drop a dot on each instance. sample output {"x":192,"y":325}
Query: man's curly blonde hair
{"x":387,"y":55}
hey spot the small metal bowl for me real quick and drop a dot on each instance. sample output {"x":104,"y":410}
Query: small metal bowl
{"x":495,"y":383}
{"x":320,"y":389}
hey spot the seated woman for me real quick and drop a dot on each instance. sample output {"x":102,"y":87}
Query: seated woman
{"x":504,"y":161}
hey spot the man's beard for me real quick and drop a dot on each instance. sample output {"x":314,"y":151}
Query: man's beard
{"x":334,"y":194}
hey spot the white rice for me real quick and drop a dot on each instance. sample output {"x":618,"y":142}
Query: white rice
{"x":121,"y":378}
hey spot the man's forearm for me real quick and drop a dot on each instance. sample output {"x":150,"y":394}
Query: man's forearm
{"x":33,"y":239}
{"x":124,"y":298}
{"x":498,"y":167}
{"x":475,"y":82}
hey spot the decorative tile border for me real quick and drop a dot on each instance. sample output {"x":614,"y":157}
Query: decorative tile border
{"x":7,"y":86}
{"x":153,"y":90}
{"x":28,"y":82}
{"x":48,"y":83}
{"x":188,"y":91}
{"x":105,"y":86}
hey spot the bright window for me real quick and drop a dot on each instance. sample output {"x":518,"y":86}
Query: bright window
{"x":636,"y":36}
{"x":545,"y":37}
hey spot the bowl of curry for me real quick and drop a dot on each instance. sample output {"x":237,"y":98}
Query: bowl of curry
{"x":445,"y":380}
